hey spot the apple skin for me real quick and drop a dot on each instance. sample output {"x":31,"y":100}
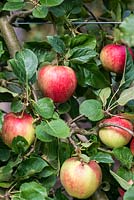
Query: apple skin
{"x":80,"y":179}
{"x":57,"y":82}
{"x":14,"y":125}
{"x":113,"y":57}
{"x":132,"y":146}
{"x":115,"y":137}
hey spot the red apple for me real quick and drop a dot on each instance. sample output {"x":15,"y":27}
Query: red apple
{"x":80,"y":179}
{"x":113,"y":136}
{"x":132,"y":146}
{"x":57,"y":82}
{"x":113,"y":57}
{"x":17,"y":125}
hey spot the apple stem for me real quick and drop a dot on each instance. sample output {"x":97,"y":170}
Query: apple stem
{"x":103,"y":125}
{"x":73,"y":143}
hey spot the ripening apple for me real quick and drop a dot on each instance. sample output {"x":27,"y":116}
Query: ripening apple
{"x":16,"y":124}
{"x":80,"y":179}
{"x":113,"y":57}
{"x":57,"y":82}
{"x":132,"y":146}
{"x":113,"y":136}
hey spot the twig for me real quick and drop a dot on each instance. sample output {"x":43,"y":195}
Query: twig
{"x":91,"y":13}
{"x":9,"y":36}
{"x":76,"y":119}
{"x":21,"y":14}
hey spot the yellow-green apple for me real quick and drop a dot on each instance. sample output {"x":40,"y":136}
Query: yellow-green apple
{"x":115,"y":131}
{"x":132,"y":146}
{"x":57,"y":82}
{"x":80,"y":179}
{"x":113,"y":57}
{"x":16,"y":124}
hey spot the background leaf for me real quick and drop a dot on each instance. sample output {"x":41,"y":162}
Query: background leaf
{"x":32,"y":190}
{"x":125,"y":96}
{"x":57,"y":128}
{"x":40,"y":11}
{"x":44,"y":107}
{"x":51,"y":2}
{"x":92,"y":109}
{"x":124,"y":155}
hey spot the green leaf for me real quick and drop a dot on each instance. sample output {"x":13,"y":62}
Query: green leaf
{"x":57,"y":44}
{"x":41,"y":134}
{"x":1,"y":119}
{"x":16,"y":1}
{"x":104,"y":95}
{"x":16,"y":106}
{"x":81,"y":55}
{"x":128,"y":75}
{"x":40,"y":11}
{"x":5,"y":90}
{"x":43,"y":51}
{"x":57,"y":128}
{"x":51,"y":2}
{"x":126,"y":30}
{"x":10,"y":6}
{"x":30,"y":167}
{"x":4,"y":154}
{"x":129,"y":194}
{"x":92,"y":109}
{"x":49,"y":182}
{"x":33,"y":191}
{"x":83,"y":40}
{"x":125,"y":96}
{"x":19,"y":145}
{"x":1,"y":49}
{"x":44,"y":107}
{"x":103,"y":158}
{"x":5,"y":173}
{"x":64,"y":108}
{"x":24,"y":64}
{"x":123,"y":183}
{"x":124,"y":155}
{"x":124,"y":173}
{"x":88,"y":75}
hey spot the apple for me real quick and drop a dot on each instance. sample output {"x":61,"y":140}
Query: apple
{"x":113,"y":57}
{"x":80,"y":179}
{"x":16,"y":124}
{"x":132,"y":146}
{"x":57,"y":82}
{"x":113,"y":136}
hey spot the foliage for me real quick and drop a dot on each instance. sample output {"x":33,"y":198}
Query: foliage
{"x":62,"y":129}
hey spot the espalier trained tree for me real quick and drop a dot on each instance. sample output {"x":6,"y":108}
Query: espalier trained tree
{"x":66,"y":100}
